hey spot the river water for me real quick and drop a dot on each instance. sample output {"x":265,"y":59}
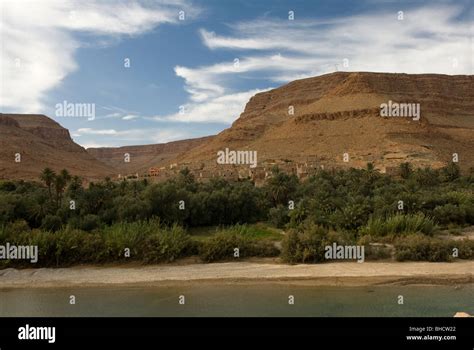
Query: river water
{"x":241,"y":299}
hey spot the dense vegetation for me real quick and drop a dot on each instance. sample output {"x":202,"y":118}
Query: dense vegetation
{"x":72,"y":224}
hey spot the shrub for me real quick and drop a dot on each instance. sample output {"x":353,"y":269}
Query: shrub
{"x":304,"y":246}
{"x":46,"y":242}
{"x":167,"y":246}
{"x":256,"y":231}
{"x":129,"y":235}
{"x":15,"y":228}
{"x":449,"y":213}
{"x":62,"y":248}
{"x":79,"y":247}
{"x":147,"y":241}
{"x":427,"y":177}
{"x":352,"y":216}
{"x":405,"y":170}
{"x":465,"y":248}
{"x":399,"y":224}
{"x":451,"y":172}
{"x":278,"y":216}
{"x":51,"y":223}
{"x":377,"y":252}
{"x":222,"y":247}
{"x":89,"y":222}
{"x":421,"y":248}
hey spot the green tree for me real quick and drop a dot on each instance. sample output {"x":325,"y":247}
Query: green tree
{"x":48,"y":177}
{"x":405,"y":170}
{"x":60,"y":182}
{"x":280,"y":186}
{"x":75,"y":186}
{"x":451,"y":172}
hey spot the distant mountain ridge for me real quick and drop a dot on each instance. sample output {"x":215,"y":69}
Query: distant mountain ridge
{"x":143,"y":157}
{"x":320,"y":118}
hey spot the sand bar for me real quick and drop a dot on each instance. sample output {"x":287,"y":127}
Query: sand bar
{"x":343,"y":273}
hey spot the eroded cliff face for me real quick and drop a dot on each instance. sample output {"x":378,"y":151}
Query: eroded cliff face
{"x":41,"y":142}
{"x":324,"y":117}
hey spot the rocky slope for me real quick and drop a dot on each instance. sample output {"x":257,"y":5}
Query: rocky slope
{"x":146,"y":156}
{"x":41,"y":142}
{"x":340,"y":113}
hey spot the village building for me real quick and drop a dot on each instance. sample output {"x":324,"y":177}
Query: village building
{"x":153,"y":171}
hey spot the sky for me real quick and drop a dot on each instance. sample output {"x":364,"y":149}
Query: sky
{"x":163,"y":70}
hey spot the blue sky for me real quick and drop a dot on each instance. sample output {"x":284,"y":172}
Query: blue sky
{"x":77,"y":52}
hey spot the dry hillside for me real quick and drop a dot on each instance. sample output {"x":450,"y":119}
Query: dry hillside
{"x":146,"y":156}
{"x":42,"y":142}
{"x":340,"y":112}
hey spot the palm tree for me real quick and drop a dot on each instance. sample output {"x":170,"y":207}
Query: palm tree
{"x":280,"y":185}
{"x":65,"y":175}
{"x":75,"y":186}
{"x":48,"y":177}
{"x":405,"y":170}
{"x":60,"y":182}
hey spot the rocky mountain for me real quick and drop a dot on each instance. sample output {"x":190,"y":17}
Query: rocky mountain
{"x":322,"y":118}
{"x":146,"y":156}
{"x":31,"y":142}
{"x":332,"y":120}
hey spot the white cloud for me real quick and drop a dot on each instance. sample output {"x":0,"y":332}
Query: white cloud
{"x":130,"y":117}
{"x":90,"y":131}
{"x":428,"y":40}
{"x":222,"y":109}
{"x":113,"y":138}
{"x":432,"y":29}
{"x":38,"y":42}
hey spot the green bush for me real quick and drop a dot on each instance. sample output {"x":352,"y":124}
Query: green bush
{"x":130,"y":235}
{"x":352,"y":216}
{"x":51,"y":223}
{"x":421,"y":248}
{"x":89,"y":222}
{"x":62,"y":248}
{"x":278,"y":216}
{"x":256,"y":231}
{"x":79,"y":247}
{"x":374,"y":250}
{"x":465,"y":248}
{"x":222,"y":246}
{"x":377,"y":252}
{"x":406,"y":170}
{"x":167,"y":246}
{"x":148,"y":241}
{"x":449,"y":213}
{"x":399,"y":224}
{"x":14,"y":229}
{"x":304,"y":246}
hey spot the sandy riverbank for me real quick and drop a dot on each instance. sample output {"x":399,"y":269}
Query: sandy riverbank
{"x":349,"y":273}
